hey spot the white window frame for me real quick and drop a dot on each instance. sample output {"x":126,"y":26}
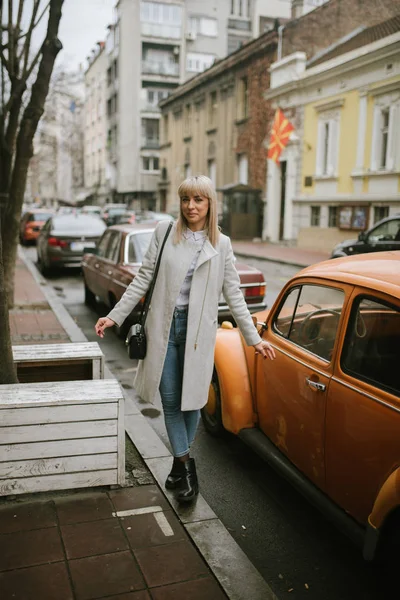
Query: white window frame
{"x":151,"y":160}
{"x":205,"y":26}
{"x":327,"y":145}
{"x":240,"y":9}
{"x":386,"y":104}
{"x":197,"y":62}
{"x":212,"y":170}
{"x":243,"y":168}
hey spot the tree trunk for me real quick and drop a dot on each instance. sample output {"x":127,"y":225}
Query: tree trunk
{"x":8,"y":373}
{"x":24,"y":147}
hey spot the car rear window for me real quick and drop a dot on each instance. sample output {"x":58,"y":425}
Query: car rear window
{"x":78,"y":225}
{"x":40,"y":216}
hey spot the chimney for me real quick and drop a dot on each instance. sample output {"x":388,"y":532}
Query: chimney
{"x":297,"y":8}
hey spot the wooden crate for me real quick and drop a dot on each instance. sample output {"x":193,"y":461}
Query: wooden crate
{"x":61,"y":435}
{"x":59,"y":362}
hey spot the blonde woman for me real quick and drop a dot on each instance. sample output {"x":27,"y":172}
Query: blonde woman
{"x":197,"y":265}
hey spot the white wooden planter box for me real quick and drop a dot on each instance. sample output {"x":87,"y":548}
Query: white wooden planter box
{"x":61,"y":435}
{"x":59,"y":362}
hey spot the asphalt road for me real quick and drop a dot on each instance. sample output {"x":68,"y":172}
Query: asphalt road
{"x":299,"y":553}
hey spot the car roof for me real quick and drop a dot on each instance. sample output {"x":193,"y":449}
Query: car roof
{"x":129,"y":227}
{"x":377,"y":270}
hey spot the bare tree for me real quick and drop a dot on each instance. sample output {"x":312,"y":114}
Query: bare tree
{"x":17,"y":129}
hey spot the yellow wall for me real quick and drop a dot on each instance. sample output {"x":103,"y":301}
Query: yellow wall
{"x":348,"y":131}
{"x":347,"y":140}
{"x":309,"y":148}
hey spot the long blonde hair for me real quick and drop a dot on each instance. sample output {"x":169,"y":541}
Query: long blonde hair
{"x":199,"y":185}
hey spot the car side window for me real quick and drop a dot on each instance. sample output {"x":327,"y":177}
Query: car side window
{"x":103,"y":243}
{"x":309,"y":317}
{"x":112,"y":251}
{"x":386,"y":232}
{"x":371,"y":348}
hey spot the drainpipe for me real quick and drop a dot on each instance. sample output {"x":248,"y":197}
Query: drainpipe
{"x":280,"y":41}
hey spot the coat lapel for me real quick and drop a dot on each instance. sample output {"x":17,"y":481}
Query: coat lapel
{"x":206,"y":254}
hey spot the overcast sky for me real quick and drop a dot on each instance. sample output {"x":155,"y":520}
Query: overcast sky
{"x":83,"y":23}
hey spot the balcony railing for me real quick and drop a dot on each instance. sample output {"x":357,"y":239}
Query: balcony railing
{"x":161,"y":30}
{"x":160,"y":68}
{"x":152,"y":143}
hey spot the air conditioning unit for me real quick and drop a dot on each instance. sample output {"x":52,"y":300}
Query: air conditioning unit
{"x":191,"y":36}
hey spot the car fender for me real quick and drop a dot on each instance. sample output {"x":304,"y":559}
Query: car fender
{"x":234,"y":381}
{"x":386,"y":502}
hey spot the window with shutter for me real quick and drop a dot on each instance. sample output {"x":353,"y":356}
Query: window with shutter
{"x":327,"y":145}
{"x":385,"y":146}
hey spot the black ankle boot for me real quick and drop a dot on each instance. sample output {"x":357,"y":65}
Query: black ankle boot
{"x":174,"y":478}
{"x":189,"y":487}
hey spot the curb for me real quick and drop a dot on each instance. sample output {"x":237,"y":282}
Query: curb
{"x":231,"y":567}
{"x":279,"y":261}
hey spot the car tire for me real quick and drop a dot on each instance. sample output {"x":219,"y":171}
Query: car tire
{"x":90,"y":298}
{"x":43,"y":268}
{"x":211,"y":413}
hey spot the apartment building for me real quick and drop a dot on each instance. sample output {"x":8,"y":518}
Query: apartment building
{"x":95,"y":130}
{"x":56,"y":170}
{"x":151,"y":48}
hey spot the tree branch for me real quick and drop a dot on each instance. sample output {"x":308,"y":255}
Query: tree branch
{"x":19,"y":17}
{"x":27,"y":45}
{"x":10,"y":38}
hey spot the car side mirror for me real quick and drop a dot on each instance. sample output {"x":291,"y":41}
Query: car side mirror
{"x":362,"y":236}
{"x":90,"y":251}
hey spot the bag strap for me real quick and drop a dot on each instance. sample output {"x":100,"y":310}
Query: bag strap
{"x":149,"y":294}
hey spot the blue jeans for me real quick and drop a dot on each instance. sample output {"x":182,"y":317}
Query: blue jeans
{"x":181,"y":425}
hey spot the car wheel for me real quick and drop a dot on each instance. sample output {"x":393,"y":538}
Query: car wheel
{"x":211,"y":413}
{"x":43,"y":268}
{"x":90,"y":298}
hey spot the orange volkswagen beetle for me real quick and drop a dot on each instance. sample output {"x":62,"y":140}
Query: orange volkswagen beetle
{"x":326,"y":412}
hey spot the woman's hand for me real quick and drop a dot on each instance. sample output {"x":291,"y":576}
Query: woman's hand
{"x":265,"y":349}
{"x":102,"y":324}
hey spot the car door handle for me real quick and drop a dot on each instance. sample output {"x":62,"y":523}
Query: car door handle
{"x":314,"y":385}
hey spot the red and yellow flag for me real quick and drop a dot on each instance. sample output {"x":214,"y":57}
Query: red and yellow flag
{"x":280,"y":134}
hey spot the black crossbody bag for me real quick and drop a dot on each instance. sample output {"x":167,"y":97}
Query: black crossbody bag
{"x":136,"y":342}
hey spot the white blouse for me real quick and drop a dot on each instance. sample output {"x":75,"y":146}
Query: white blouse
{"x":199,"y":237}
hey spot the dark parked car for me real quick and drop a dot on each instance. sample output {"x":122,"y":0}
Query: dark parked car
{"x":118,"y":257}
{"x":384,"y":235}
{"x":63,"y":239}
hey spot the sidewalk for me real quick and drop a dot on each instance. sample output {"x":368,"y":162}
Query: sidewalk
{"x":298,"y":257}
{"x":31,"y":320}
{"x":131,"y":543}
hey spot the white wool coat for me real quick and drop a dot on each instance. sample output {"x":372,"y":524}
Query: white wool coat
{"x":215,"y":273}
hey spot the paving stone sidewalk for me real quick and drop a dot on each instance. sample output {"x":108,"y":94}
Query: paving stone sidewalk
{"x":31,"y":320}
{"x":125,"y":544}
